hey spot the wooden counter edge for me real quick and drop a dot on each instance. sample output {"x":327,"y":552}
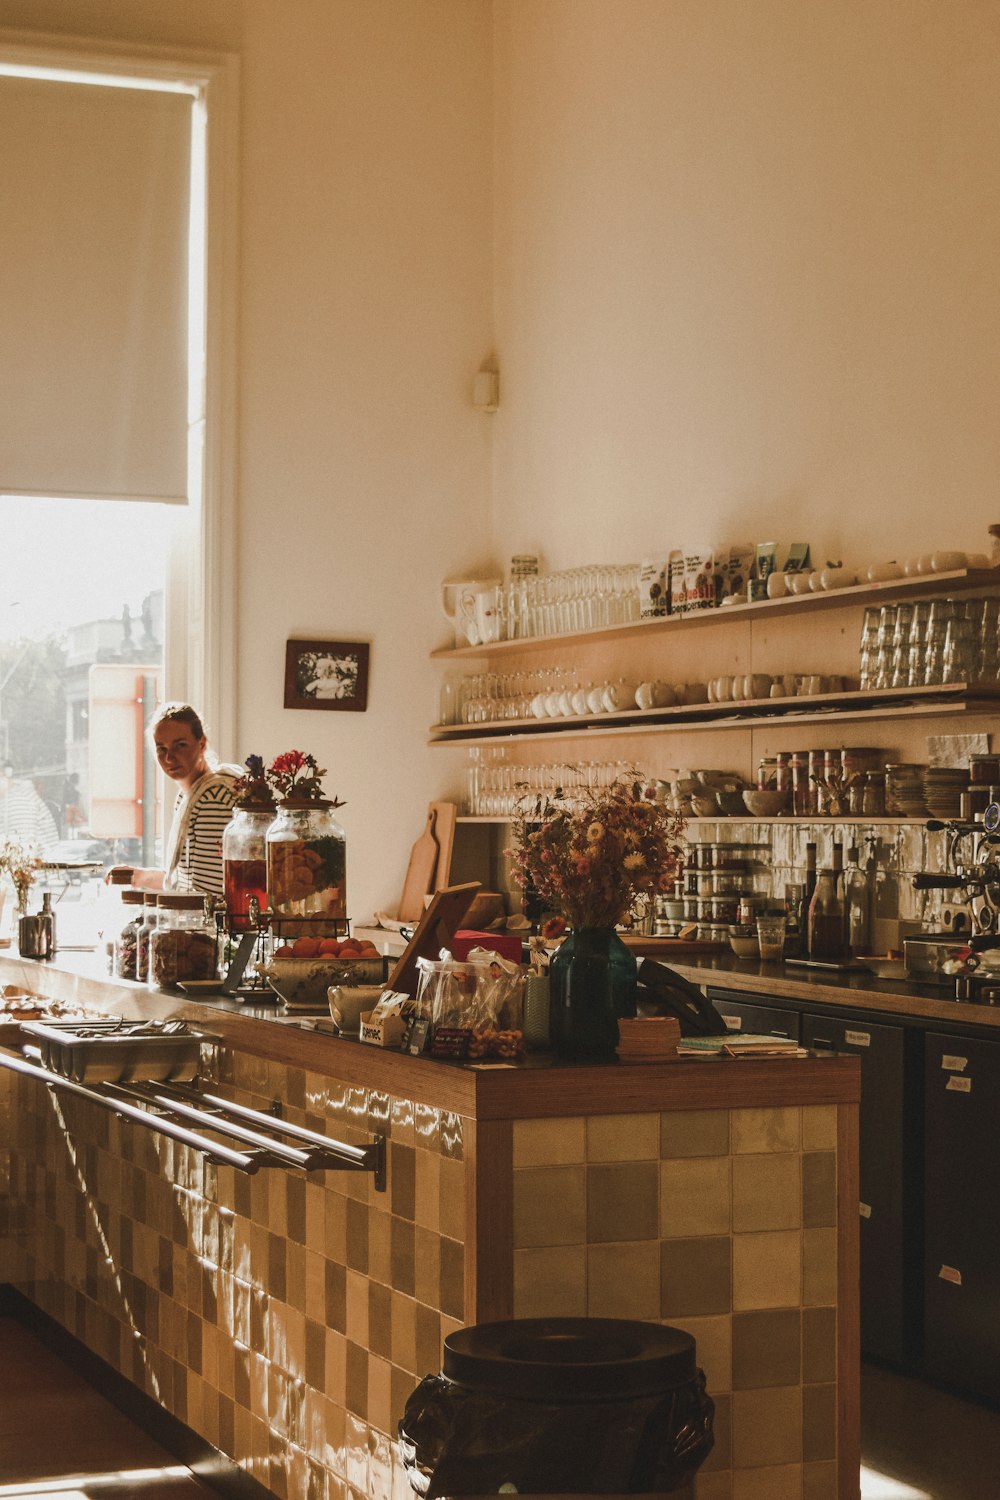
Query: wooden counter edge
{"x":848,"y":1306}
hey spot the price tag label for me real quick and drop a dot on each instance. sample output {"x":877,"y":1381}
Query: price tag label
{"x":953,"y":1064}
{"x":958,"y":1085}
{"x":733,"y":1023}
{"x":857,"y":1038}
{"x":949,"y":1273}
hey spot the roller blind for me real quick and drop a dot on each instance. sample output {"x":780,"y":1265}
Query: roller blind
{"x":94,"y":208}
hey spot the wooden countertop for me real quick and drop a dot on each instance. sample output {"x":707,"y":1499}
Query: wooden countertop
{"x":540,"y":1087}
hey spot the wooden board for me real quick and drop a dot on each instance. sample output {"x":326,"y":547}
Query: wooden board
{"x":419,"y":880}
{"x":438,"y":926}
{"x":446,"y":816}
{"x":663,"y":947}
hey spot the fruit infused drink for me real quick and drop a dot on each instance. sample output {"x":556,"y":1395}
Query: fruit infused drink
{"x":244,"y":879}
{"x":307,"y":868}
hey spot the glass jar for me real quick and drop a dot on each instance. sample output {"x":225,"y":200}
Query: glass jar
{"x":109,"y":913}
{"x":307,"y":868}
{"x":244,"y":862}
{"x":798,"y":764}
{"x":126,"y":941}
{"x":816,"y":793}
{"x":150,"y":913}
{"x":873,"y":795}
{"x":827,"y":936}
{"x":183,"y":946}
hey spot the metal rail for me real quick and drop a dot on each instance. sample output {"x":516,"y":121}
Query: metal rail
{"x":163,"y":1106}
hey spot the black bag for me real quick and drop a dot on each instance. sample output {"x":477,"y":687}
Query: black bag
{"x":669,"y":994}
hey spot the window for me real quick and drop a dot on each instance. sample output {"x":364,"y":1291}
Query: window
{"x":98,"y":595}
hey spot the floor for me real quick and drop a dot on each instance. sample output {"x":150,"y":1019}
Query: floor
{"x":58,"y":1432}
{"x":61,"y":1439}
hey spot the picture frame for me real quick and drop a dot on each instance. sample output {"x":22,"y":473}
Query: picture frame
{"x":327,"y":675}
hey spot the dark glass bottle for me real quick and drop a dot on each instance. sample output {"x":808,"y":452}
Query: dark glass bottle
{"x":826,"y":920}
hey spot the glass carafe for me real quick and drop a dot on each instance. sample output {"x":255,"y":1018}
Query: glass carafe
{"x":244,"y":862}
{"x":827,"y":936}
{"x":306,"y":868}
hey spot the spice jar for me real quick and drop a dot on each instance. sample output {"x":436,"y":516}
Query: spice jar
{"x":307,"y":867}
{"x":150,"y":913}
{"x":798,"y":764}
{"x":126,"y":941}
{"x":244,"y":862}
{"x":183,"y":945}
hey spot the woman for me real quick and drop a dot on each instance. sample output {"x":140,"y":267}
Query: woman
{"x":205,"y":797}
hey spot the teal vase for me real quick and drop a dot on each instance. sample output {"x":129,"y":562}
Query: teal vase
{"x":592,"y":981}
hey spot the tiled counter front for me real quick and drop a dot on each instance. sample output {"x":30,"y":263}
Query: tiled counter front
{"x":285,"y":1317}
{"x":721,"y":1222}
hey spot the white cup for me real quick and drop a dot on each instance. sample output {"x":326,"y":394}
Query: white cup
{"x":618,"y":696}
{"x":579,"y":700}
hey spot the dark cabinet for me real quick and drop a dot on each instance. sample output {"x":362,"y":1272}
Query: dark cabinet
{"x":962,"y":1213}
{"x":890,"y":1170}
{"x":741,"y":1014}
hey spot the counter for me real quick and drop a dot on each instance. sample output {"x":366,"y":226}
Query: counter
{"x":286,"y":1316}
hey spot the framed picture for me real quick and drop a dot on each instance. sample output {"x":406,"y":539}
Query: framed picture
{"x":326,"y":674}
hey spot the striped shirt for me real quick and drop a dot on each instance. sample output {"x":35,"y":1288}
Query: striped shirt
{"x":198,"y":865}
{"x":23,"y":812}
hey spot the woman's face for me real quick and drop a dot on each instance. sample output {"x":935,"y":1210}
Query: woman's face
{"x":179,"y":754}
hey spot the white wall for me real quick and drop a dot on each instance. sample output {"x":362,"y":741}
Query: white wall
{"x":743,"y":260}
{"x":746,"y":274}
{"x":365,"y":311}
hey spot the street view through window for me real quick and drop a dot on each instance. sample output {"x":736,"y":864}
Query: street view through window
{"x":81,"y":662}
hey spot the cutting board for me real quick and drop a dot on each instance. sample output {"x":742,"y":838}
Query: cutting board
{"x":419,"y":880}
{"x":446,"y":814}
{"x":438,"y":925}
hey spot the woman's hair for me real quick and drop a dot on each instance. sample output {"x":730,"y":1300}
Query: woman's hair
{"x":181,"y":713}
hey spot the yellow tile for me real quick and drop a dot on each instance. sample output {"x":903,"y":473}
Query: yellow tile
{"x":357,"y":1309}
{"x":451,"y":1198}
{"x":427,"y":1208}
{"x":427,"y":1267}
{"x":623,"y":1137}
{"x":767,"y":1427}
{"x":765,"y":1130}
{"x":404,"y":1332}
{"x":379,"y":1393}
{"x":549,"y":1143}
{"x":550,"y":1283}
{"x":550,"y":1206}
{"x":713,"y":1339}
{"x":335,"y":1380}
{"x":315,"y":1214}
{"x":335,"y":1232}
{"x":694,"y":1132}
{"x":779,"y":1483}
{"x":315,"y":1294}
{"x":767,"y":1270}
{"x":714,"y":1486}
{"x":380,"y":1247}
{"x":767,"y":1192}
{"x":623,"y":1280}
{"x":819,"y":1480}
{"x":819,"y":1127}
{"x":694,"y":1196}
{"x":819,"y":1267}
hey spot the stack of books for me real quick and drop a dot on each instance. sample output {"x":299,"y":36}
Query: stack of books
{"x":648,"y":1039}
{"x":739,"y":1044}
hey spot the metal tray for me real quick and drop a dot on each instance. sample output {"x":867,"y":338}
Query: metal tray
{"x":117,"y":1051}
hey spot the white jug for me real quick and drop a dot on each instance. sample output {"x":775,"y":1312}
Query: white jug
{"x":451,"y":603}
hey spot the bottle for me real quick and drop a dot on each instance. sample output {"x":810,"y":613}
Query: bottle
{"x":826,"y":920}
{"x":48,"y":925}
{"x":807,"y":889}
{"x":856,"y":904}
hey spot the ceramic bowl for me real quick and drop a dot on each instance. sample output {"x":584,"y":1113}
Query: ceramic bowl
{"x":704,"y":807}
{"x":744,"y":943}
{"x":947,"y":562}
{"x":348,"y":1001}
{"x":765,"y":804}
{"x":730,"y":804}
{"x":305,"y":981}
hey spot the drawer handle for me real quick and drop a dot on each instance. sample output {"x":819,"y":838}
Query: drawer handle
{"x":823,"y":1041}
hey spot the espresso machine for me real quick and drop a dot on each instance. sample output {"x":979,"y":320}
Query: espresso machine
{"x":965,"y":956}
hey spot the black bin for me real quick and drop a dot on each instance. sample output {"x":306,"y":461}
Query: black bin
{"x":593,"y":1406}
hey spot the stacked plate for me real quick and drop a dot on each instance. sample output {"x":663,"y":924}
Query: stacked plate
{"x":904,"y":790}
{"x":648,"y":1039}
{"x":943,"y":788}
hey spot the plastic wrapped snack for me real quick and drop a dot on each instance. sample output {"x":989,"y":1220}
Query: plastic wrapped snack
{"x":482,"y":995}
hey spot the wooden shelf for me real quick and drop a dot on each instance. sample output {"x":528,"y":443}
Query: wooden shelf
{"x":498,"y":820}
{"x":831,"y":708}
{"x":921,"y":586}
